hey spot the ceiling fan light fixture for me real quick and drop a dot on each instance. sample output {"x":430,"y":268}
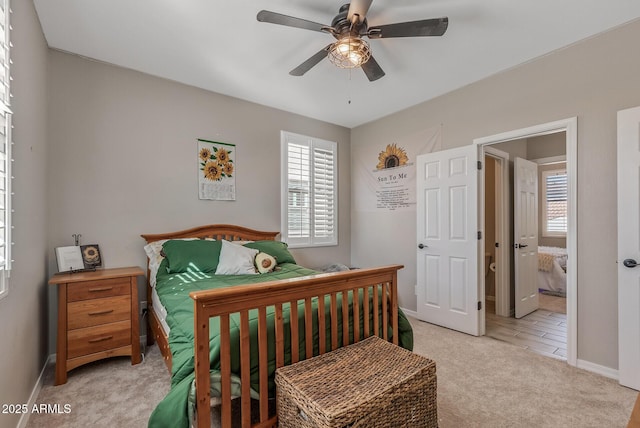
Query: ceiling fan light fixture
{"x":349,"y":52}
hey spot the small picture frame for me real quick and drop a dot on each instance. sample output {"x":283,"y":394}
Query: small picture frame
{"x":91,"y":256}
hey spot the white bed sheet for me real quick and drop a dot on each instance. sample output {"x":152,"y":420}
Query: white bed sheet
{"x":556,"y":278}
{"x":161,"y":312}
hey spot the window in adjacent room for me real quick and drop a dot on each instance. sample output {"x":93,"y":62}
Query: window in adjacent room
{"x":5,"y":150}
{"x":554,"y":202}
{"x":309,"y":191}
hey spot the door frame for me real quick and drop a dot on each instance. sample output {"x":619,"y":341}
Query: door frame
{"x":503,"y":268}
{"x":570,"y":127}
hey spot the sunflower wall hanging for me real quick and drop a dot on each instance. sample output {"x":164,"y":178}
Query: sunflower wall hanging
{"x":391,"y":157}
{"x":216,"y":171}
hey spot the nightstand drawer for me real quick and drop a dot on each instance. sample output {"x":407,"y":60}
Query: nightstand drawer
{"x":90,"y":340}
{"x":97,"y":289}
{"x":87,"y":313}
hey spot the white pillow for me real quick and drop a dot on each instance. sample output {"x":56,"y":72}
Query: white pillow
{"x":236,"y":260}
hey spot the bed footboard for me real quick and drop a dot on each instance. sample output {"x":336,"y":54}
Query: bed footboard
{"x":377,"y":285}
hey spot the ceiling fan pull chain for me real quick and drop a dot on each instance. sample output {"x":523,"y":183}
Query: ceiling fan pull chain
{"x":349,"y":86}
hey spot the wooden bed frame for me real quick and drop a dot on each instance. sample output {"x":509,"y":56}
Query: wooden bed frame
{"x":224,"y":302}
{"x":214,"y":231}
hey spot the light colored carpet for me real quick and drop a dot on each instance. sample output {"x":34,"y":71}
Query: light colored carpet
{"x":107,"y":393}
{"x":482,"y":382}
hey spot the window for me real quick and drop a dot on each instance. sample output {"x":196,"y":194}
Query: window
{"x":5,"y":150}
{"x":554,"y":202}
{"x":309,"y":191}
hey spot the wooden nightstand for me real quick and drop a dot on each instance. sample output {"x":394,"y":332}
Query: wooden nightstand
{"x":97,"y":317}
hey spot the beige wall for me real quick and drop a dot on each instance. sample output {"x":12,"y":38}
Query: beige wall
{"x":546,"y":146}
{"x":23,"y":312}
{"x":124,"y":161}
{"x":591,"y":80}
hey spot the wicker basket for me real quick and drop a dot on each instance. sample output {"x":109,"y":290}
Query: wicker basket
{"x":372,"y":383}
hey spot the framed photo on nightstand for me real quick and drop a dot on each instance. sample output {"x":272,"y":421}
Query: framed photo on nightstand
{"x":91,"y":256}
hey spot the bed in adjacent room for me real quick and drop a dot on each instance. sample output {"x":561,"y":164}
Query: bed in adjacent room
{"x":552,"y":270}
{"x":204,"y":283}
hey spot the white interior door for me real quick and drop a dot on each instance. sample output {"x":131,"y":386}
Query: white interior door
{"x":629,"y":247}
{"x":525,"y":234}
{"x":447,"y":228}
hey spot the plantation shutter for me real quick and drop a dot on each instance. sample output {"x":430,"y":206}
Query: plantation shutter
{"x":299,"y":192}
{"x":324,"y":193}
{"x":309,"y":191}
{"x":5,"y":147}
{"x":555,"y":192}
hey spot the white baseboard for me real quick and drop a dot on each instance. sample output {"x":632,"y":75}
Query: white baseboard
{"x":24,"y":419}
{"x":598,"y":369}
{"x":409,"y":312}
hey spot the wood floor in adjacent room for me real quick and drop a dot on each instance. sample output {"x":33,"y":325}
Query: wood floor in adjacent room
{"x":542,"y":331}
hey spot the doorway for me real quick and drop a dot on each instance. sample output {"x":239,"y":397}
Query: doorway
{"x":499,"y":279}
{"x":496,"y":266}
{"x":541,"y":322}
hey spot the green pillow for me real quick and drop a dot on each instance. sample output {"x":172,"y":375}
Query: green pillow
{"x":163,"y":269}
{"x":276,"y":249}
{"x":199,"y":255}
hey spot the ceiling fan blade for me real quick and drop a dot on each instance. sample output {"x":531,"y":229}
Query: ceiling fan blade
{"x":372,"y":69}
{"x":289,"y":21}
{"x":360,"y":8}
{"x":310,"y":63}
{"x":426,"y":27}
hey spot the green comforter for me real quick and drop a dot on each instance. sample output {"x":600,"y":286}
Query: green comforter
{"x":173,"y":291}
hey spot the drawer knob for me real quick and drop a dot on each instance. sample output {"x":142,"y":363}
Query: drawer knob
{"x":101,"y":339}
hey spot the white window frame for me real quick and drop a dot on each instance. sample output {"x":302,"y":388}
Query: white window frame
{"x":5,"y":138}
{"x":544,"y":175}
{"x":312,"y":144}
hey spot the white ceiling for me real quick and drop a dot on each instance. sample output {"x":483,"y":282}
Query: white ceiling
{"x":221,"y":47}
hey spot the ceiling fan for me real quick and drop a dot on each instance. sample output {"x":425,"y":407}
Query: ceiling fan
{"x":349,"y":27}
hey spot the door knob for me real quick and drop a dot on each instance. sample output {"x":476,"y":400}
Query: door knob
{"x":630,"y":263}
{"x":421,"y":246}
{"x":520,"y":245}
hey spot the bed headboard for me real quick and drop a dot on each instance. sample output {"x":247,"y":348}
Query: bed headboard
{"x":229,"y":232}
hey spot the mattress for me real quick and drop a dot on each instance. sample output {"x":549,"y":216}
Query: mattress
{"x":552,"y":265}
{"x":161,"y":312}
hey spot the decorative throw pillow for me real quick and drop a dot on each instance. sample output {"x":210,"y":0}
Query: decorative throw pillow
{"x":265,"y":263}
{"x":236,"y":260}
{"x":197,"y":255}
{"x":277,"y":249}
